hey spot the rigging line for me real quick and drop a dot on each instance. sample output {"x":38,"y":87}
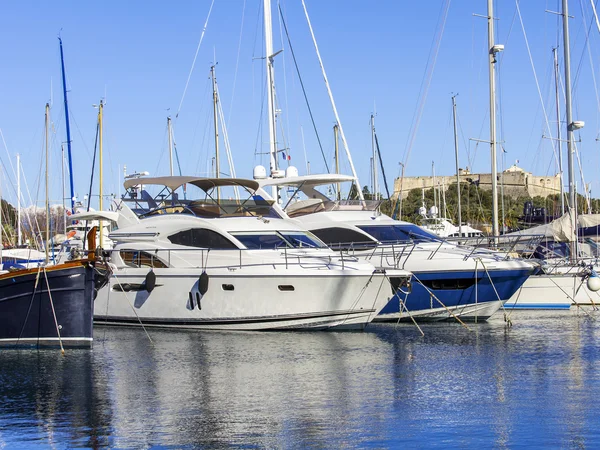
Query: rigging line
{"x":427,"y":80}
{"x":304,"y":148}
{"x":595,"y":15}
{"x":589,"y":51}
{"x":312,"y":119}
{"x":333,"y":107}
{"x":237,"y":63}
{"x":581,"y":172}
{"x":499,"y":78}
{"x":9,"y":157}
{"x":93,"y":168}
{"x":537,"y":84}
{"x":195,"y":57}
{"x":585,"y":44}
{"x":259,"y":130}
{"x":387,"y":190}
{"x":285,"y":89}
{"x":177,"y":157}
{"x":227,"y":143}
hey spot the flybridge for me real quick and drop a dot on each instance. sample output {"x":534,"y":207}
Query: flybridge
{"x":201,"y":197}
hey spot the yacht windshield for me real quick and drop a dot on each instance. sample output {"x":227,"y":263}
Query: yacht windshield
{"x":275,"y":239}
{"x":401,"y":232}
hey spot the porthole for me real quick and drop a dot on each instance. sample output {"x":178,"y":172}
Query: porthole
{"x":286,"y":287}
{"x":227,"y":287}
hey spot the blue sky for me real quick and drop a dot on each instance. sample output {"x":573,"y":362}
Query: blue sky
{"x":137,"y":56}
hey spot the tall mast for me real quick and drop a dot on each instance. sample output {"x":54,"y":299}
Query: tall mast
{"x":270,"y":91}
{"x":374,"y":149}
{"x":100,"y":201}
{"x":216,"y":123}
{"x":558,"y":130}
{"x":19,"y":236}
{"x":62,"y":165}
{"x":64,"y":81}
{"x":570,"y":128}
{"x":457,"y":167}
{"x":170,"y":144}
{"x":47,"y":117}
{"x":493,"y":49}
{"x":337,"y":158}
{"x":571,"y":125}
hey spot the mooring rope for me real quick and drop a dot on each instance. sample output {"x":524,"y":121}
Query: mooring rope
{"x":62,"y":349}
{"x":403,"y":306}
{"x":441,"y":303}
{"x":132,"y":308}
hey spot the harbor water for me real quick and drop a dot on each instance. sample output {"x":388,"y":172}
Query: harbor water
{"x":534,"y":384}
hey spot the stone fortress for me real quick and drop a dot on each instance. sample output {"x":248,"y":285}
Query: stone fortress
{"x":517,"y":183}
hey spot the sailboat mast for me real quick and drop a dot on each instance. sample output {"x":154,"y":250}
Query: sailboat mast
{"x":216,"y":123}
{"x":270,"y":91}
{"x":492,"y":83}
{"x":571,"y":126}
{"x":19,"y":235}
{"x":558,"y":134}
{"x":68,"y":126}
{"x":47,"y":118}
{"x":457,"y":167}
{"x":100,"y":201}
{"x":570,"y":146}
{"x":337,"y":158}
{"x":62,"y":165}
{"x":170,"y":144}
{"x":374,"y":149}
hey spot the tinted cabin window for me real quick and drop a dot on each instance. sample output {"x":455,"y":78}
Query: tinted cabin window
{"x":141,"y":259}
{"x":199,"y":237}
{"x":343,"y":238}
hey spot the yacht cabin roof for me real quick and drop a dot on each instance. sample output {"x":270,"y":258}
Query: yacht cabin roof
{"x":175,"y":182}
{"x":307,"y":180}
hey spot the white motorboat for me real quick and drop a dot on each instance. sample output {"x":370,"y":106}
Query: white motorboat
{"x":561,"y":280}
{"x":448,"y":280}
{"x":220,"y":263}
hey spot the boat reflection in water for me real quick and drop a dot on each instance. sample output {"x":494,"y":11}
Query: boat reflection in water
{"x":385,"y":387}
{"x":251,"y":388}
{"x":51,"y":400}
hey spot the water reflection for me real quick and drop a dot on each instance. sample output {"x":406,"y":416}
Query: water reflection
{"x":246,"y":388}
{"x":531,"y":384}
{"x":52,"y":399}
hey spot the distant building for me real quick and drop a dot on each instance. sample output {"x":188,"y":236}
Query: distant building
{"x":516,"y":182}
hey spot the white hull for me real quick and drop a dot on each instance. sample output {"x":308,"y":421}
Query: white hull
{"x":553,"y":291}
{"x":471,"y":312}
{"x":244,"y":299}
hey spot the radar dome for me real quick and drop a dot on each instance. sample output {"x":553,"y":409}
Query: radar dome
{"x":291,"y":171}
{"x":260,"y":173}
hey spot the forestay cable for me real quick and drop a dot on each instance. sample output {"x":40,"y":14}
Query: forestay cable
{"x":195,"y":57}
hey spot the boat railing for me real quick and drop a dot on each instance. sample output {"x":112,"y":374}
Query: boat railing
{"x":510,"y":246}
{"x":236,"y":258}
{"x":387,"y":254}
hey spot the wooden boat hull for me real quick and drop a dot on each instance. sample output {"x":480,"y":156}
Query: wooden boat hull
{"x":29,"y":317}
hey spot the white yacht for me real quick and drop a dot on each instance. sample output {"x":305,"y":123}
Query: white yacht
{"x":229,"y":261}
{"x":561,"y":280}
{"x":444,"y":228}
{"x":448,"y":280}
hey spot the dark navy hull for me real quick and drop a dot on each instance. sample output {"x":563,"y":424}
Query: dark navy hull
{"x":455,"y":290}
{"x":27,"y":312}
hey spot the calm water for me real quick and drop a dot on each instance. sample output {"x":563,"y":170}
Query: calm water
{"x":535,"y":384}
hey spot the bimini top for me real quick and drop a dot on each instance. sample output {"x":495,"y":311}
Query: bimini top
{"x":307,"y":180}
{"x":176,"y":182}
